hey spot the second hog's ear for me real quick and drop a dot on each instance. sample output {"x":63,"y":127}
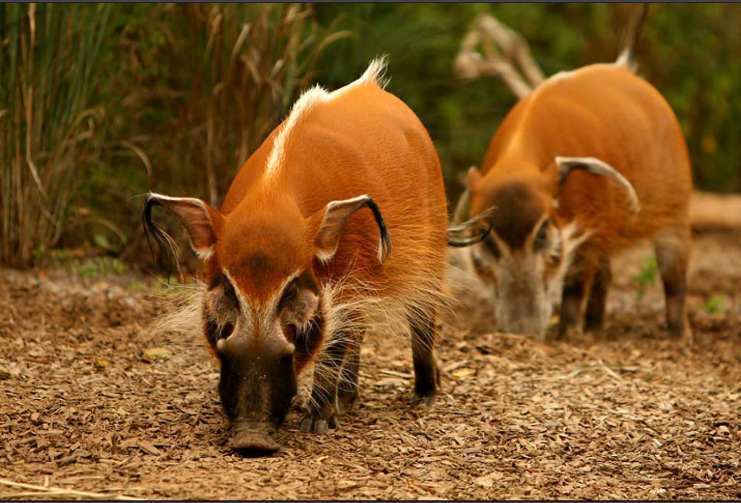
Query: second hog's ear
{"x":472,"y":231}
{"x":201,"y":221}
{"x":463,"y":207}
{"x":474,"y":178}
{"x":330,"y":222}
{"x":567,"y":165}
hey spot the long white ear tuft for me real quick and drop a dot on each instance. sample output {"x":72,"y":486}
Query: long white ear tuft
{"x":472,"y":231}
{"x":200,"y":221}
{"x":597,"y":167}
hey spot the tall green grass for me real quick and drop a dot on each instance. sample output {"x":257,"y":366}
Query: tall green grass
{"x":49,"y":57}
{"x":187,"y":91}
{"x":239,"y":66}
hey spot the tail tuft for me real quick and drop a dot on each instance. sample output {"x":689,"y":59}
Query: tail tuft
{"x":376,"y":71}
{"x":630,"y":41}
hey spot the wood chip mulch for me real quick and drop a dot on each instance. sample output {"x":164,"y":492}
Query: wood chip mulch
{"x":92,"y":402}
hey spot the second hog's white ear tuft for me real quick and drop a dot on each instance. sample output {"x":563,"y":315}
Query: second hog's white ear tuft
{"x":566,"y":165}
{"x":333,"y":220}
{"x":472,"y":231}
{"x":474,"y":178}
{"x":201,"y":221}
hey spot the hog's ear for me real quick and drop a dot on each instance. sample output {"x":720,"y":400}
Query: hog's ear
{"x":474,"y":178}
{"x":463,"y":207}
{"x":201,"y":221}
{"x":567,"y":165}
{"x":331,"y":222}
{"x":471,"y":231}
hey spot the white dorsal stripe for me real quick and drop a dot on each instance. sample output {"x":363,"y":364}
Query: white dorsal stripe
{"x":308,"y":100}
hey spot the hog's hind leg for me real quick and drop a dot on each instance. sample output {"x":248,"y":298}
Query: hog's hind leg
{"x":672,"y":248}
{"x":426,"y":372}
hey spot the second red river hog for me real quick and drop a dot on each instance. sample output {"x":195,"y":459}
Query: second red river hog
{"x":591,"y":163}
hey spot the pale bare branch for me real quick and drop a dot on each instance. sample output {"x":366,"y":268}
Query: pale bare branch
{"x":506,"y":55}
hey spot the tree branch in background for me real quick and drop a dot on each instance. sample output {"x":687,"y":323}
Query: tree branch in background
{"x":506,"y":54}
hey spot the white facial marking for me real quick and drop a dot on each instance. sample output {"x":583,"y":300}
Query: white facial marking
{"x":516,"y":280}
{"x":272,"y":305}
{"x":204,"y":253}
{"x":250,"y":312}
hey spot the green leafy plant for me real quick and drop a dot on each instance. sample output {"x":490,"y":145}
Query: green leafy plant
{"x":646,"y":277}
{"x":91,"y":267}
{"x":716,"y":305}
{"x":99,"y":267}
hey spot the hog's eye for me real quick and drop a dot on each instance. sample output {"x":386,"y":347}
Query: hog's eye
{"x":230,"y":295}
{"x":224,"y":296}
{"x":491,"y":247}
{"x":541,"y":237}
{"x":288,"y":294}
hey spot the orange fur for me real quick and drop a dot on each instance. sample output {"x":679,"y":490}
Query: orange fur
{"x":362,"y":141}
{"x":334,"y":227}
{"x":607,"y":112}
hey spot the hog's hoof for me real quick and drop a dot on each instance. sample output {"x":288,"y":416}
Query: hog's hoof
{"x":426,"y":398}
{"x":347,"y":403}
{"x":569,"y":333}
{"x":425,"y":390}
{"x":316,"y":424}
{"x":595,"y":327}
{"x":681,"y":333}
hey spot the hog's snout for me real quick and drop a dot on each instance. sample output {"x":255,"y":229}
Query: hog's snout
{"x":254,"y":439}
{"x":256,"y":387}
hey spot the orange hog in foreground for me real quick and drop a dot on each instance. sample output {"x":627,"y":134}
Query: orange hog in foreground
{"x":299,"y":263}
{"x":592,"y":162}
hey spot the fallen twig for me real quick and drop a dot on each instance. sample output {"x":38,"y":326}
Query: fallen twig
{"x":403,"y":375}
{"x":598,"y":365}
{"x":58,"y":492}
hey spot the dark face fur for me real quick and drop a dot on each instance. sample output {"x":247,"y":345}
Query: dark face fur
{"x":522,"y":259}
{"x":261,"y":349}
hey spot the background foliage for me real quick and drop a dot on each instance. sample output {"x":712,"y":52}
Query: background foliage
{"x":173,"y":98}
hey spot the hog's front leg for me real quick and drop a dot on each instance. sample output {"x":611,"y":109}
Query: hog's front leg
{"x":348,"y":392}
{"x":323,"y":409}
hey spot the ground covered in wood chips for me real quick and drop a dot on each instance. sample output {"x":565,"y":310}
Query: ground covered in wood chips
{"x":91,"y":401}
